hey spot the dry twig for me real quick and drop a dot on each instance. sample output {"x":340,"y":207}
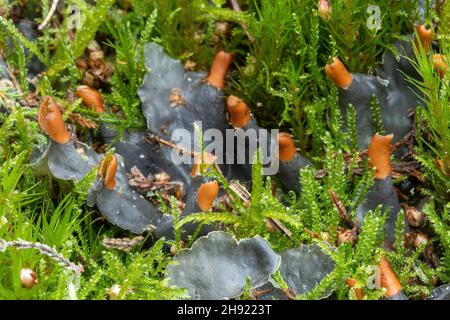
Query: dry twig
{"x":122,"y":244}
{"x":50,"y":14}
{"x":340,"y":208}
{"x":42,"y":248}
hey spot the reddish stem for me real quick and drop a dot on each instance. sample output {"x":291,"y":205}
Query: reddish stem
{"x":219,"y":69}
{"x":337,"y":72}
{"x":380,"y":155}
{"x":239,"y":112}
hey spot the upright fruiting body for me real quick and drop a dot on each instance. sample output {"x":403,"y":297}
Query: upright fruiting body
{"x":440,"y":63}
{"x":382,"y":191}
{"x":239,"y":112}
{"x":337,"y":72}
{"x":425,"y":36}
{"x":59,"y":159}
{"x":107,"y":171}
{"x":206,"y":195}
{"x":118,"y":202}
{"x":91,"y":98}
{"x":219,"y":69}
{"x":351,"y":283}
{"x":286,"y":147}
{"x":290,"y":162}
{"x":389,"y":85}
{"x":51,"y":121}
{"x":380,"y":155}
{"x":388,"y":279}
{"x":28,"y":278}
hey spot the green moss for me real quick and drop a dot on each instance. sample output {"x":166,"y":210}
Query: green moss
{"x":444,"y":19}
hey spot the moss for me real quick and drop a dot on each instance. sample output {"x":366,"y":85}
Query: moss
{"x":444,"y":18}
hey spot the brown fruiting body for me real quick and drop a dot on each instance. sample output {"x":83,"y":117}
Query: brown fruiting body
{"x":221,"y":29}
{"x":379,"y":153}
{"x":337,"y":72}
{"x":286,"y":147}
{"x":28,"y":278}
{"x":415,"y":217}
{"x":219,"y":69}
{"x":347,"y":235}
{"x":239,"y":112}
{"x":415,"y":239}
{"x":324,"y":9}
{"x":107,"y":171}
{"x":425,"y":36}
{"x":51,"y":121}
{"x":206,"y":195}
{"x":91,"y":98}
{"x":388,"y":279}
{"x":94,"y":68}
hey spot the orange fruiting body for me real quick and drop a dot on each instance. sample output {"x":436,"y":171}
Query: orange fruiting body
{"x":239,"y":112}
{"x":107,"y":171}
{"x":380,"y":155}
{"x":425,"y":36}
{"x":206,"y":195}
{"x":440,"y":63}
{"x":219,"y":69}
{"x":286,"y":147}
{"x":388,"y":279}
{"x":337,"y":72}
{"x":51,"y":121}
{"x":351,"y":283}
{"x":91,"y":98}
